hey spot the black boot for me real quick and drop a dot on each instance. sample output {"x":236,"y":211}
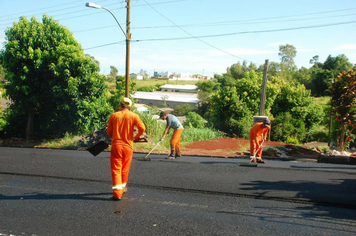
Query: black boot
{"x":178,"y":154}
{"x":172,"y":155}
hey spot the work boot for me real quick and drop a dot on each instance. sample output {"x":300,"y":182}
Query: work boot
{"x":252,"y":159}
{"x":259,"y":160}
{"x":172,"y":155}
{"x":116,"y":198}
{"x":178,"y":154}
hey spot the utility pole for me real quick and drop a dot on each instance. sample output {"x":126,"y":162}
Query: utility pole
{"x":128,"y":38}
{"x":264,"y":88}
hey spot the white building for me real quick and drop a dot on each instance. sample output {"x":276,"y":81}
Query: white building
{"x":179,"y":88}
{"x":169,"y":99}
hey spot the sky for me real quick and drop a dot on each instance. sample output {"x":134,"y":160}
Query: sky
{"x":198,"y":36}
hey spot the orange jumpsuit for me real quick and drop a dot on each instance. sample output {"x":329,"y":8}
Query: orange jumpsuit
{"x":120,"y":129}
{"x":256,"y":133}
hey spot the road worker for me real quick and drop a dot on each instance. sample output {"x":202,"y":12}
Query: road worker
{"x":173,"y":122}
{"x":121,"y":130}
{"x":258,"y":134}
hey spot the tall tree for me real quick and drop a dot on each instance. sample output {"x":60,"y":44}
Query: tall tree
{"x":287,"y":54}
{"x":54,"y":87}
{"x":323,"y":74}
{"x":113,"y":71}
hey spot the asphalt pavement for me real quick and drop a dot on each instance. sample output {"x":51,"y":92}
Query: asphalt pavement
{"x":64,"y":192}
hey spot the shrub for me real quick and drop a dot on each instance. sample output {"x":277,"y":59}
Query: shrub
{"x":194,"y":120}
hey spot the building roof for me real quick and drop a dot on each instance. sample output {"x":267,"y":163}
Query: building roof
{"x":177,"y":87}
{"x":170,"y":96}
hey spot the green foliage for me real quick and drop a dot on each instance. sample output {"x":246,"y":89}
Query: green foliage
{"x":226,"y":111}
{"x":182,"y":110}
{"x":194,"y":120}
{"x":295,"y":100}
{"x":287,"y":54}
{"x":285,"y":127}
{"x":68,"y":141}
{"x":292,"y":140}
{"x":53,"y":84}
{"x":2,"y":120}
{"x":343,"y":101}
{"x":323,"y":74}
{"x":196,"y":134}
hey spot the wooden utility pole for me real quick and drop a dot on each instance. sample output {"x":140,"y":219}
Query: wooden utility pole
{"x":128,"y":38}
{"x":264,"y":88}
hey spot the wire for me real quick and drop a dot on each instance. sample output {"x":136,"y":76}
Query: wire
{"x":192,"y":36}
{"x":252,"y":32}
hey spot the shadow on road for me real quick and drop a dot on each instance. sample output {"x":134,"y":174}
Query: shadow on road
{"x":46,"y":196}
{"x":338,"y":193}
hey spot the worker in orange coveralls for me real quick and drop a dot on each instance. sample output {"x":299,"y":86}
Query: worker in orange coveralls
{"x":120,"y":129}
{"x":258,"y":134}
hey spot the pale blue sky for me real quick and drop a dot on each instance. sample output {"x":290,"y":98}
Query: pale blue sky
{"x":199,"y":36}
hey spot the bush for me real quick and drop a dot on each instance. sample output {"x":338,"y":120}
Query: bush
{"x":182,"y":110}
{"x":194,"y":120}
{"x":285,"y":127}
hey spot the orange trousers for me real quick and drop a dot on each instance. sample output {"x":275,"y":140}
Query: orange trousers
{"x":254,"y":144}
{"x":120,"y":160}
{"x":175,"y":139}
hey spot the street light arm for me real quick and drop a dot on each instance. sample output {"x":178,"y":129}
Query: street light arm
{"x":93,"y":5}
{"x":116,"y":21}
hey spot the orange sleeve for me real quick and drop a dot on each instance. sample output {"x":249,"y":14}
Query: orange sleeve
{"x":140,"y":126}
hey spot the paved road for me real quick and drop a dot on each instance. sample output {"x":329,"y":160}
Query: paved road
{"x":58,"y":192}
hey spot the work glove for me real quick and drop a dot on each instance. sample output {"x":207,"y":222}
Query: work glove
{"x":161,"y":140}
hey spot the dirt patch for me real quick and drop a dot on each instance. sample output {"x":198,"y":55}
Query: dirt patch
{"x":234,"y":147}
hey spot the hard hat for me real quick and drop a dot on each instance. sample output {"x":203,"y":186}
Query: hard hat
{"x":126,"y":102}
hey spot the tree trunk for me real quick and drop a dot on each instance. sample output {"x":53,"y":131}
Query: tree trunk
{"x":341,"y":141}
{"x":30,"y":125}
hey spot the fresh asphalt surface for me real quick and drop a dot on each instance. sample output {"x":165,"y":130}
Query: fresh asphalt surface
{"x":62,"y":192}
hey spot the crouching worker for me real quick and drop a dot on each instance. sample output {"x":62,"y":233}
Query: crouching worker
{"x":121,"y":130}
{"x":173,"y":122}
{"x":258,"y":134}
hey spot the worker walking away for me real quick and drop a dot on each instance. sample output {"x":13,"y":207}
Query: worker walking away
{"x":173,"y":122}
{"x":121,"y":130}
{"x":258,"y":134}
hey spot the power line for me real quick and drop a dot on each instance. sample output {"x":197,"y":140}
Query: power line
{"x":230,"y":34}
{"x":252,"y":32}
{"x":194,"y":36}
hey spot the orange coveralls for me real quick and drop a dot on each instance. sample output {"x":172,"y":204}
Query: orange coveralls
{"x":120,"y":129}
{"x":256,"y":138}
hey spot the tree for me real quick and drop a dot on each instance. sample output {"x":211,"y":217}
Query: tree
{"x":54,"y":87}
{"x":113,"y":72}
{"x":322,"y":75}
{"x":343,"y":101}
{"x":287,"y":54}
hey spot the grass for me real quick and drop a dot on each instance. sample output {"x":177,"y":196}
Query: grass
{"x":153,"y":82}
{"x":69,"y":141}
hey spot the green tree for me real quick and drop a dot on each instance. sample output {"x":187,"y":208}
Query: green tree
{"x":343,"y":101}
{"x":322,"y":76}
{"x":294,"y":100}
{"x":54,"y":87}
{"x":205,"y":89}
{"x":287,"y":54}
{"x":228,"y":113}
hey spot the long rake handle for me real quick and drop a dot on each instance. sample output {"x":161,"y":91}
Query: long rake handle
{"x":152,"y":149}
{"x":259,"y":146}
